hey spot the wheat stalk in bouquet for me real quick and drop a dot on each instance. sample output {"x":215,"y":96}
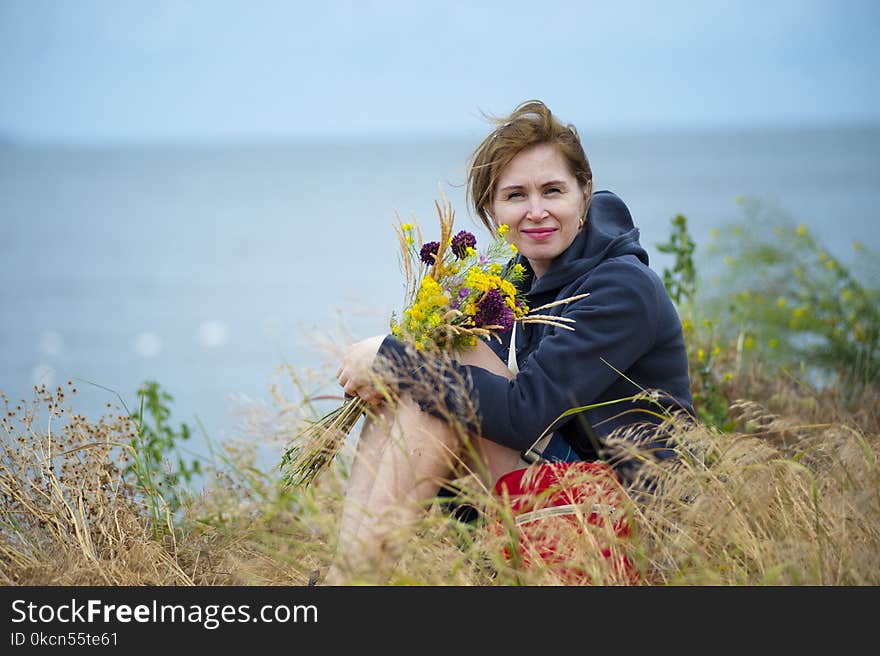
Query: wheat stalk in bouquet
{"x":454,"y":296}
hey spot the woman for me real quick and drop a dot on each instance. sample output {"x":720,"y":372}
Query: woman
{"x":531,"y":175}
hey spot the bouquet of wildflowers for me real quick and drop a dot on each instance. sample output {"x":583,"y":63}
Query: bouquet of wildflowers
{"x":455,"y":295}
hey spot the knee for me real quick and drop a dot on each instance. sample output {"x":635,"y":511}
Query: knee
{"x":484,"y":357}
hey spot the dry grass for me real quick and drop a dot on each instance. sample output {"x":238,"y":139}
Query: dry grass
{"x":791,"y":498}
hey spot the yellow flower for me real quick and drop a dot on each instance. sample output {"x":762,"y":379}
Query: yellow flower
{"x":716,"y":351}
{"x":728,"y":260}
{"x":502,"y":229}
{"x":514,"y":248}
{"x":847,"y":295}
{"x":429,"y":285}
{"x":773,"y":343}
{"x":406,"y":227}
{"x":801,"y":230}
{"x":830,"y":264}
{"x":410,"y":240}
{"x":857,"y":245}
{"x":701,"y":354}
{"x":728,"y":376}
{"x":781,"y":302}
{"x":749,"y":343}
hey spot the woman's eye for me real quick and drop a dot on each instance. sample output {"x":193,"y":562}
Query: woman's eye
{"x":514,"y":195}
{"x":553,"y":190}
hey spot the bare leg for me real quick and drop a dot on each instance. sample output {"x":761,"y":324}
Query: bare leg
{"x":402,"y":455}
{"x":496,"y":460}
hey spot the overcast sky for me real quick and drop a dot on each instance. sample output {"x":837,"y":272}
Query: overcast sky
{"x":160,"y":70}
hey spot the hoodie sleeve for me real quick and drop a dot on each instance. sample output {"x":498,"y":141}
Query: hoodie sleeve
{"x":616,"y":322}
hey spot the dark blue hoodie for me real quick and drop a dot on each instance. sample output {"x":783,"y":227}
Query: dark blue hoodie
{"x":626,"y":325}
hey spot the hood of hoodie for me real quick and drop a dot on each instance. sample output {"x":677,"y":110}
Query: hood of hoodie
{"x":609,"y":232}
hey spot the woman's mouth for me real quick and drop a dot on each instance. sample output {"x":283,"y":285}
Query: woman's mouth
{"x":539,"y":234}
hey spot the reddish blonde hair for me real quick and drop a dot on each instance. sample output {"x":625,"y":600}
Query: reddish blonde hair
{"x":530,"y":123}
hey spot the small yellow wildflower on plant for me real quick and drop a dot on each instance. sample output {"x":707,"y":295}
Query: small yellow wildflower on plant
{"x":801,"y":230}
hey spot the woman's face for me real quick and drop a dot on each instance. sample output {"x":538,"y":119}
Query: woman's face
{"x":541,"y":202}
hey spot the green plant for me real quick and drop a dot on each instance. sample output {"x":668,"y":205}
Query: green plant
{"x":158,"y":464}
{"x":681,"y":280}
{"x":705,"y":355}
{"x":785,"y":295}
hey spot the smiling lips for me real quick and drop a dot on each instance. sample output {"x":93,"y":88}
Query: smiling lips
{"x":539,"y":234}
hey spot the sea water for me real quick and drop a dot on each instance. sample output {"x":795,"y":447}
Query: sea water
{"x":208,"y":268}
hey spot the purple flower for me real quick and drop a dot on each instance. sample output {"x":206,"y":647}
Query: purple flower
{"x":493,"y":311}
{"x":506,"y":319}
{"x":429,"y":252}
{"x":462,"y":242}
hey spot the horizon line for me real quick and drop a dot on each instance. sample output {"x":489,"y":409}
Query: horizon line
{"x":11,"y":139}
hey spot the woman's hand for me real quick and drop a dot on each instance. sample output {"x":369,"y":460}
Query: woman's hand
{"x":355,"y":373}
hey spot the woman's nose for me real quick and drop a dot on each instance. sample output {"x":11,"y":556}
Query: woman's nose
{"x":536,"y":211}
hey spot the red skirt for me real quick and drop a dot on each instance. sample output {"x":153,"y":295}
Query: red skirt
{"x":568,"y":517}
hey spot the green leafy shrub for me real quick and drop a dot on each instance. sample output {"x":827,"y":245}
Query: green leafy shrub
{"x":158,"y":463}
{"x":784,"y":296}
{"x":706,"y":360}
